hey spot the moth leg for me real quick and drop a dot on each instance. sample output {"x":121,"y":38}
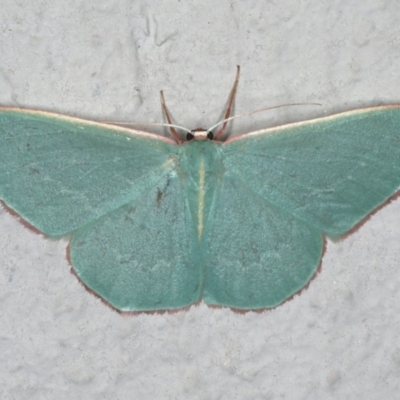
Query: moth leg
{"x":232,"y":96}
{"x":173,"y":131}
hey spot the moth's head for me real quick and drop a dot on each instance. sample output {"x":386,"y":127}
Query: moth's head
{"x":202,"y":134}
{"x":199,"y":134}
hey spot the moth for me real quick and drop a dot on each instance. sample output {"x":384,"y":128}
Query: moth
{"x":159,"y":223}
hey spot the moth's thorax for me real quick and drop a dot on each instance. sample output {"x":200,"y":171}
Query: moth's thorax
{"x":193,"y":152}
{"x":200,"y":169}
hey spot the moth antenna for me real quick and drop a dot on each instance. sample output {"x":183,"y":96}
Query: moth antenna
{"x":225,"y":121}
{"x":232,"y":96}
{"x":172,"y":129}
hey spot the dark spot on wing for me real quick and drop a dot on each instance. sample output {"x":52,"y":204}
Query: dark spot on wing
{"x":162,"y":193}
{"x":159,"y":197}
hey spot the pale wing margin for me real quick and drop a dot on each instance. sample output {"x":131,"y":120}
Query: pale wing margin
{"x":330,"y":172}
{"x":60,"y":173}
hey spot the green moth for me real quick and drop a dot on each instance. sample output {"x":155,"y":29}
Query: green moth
{"x":156,"y":223}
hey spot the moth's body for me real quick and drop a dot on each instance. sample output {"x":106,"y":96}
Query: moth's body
{"x":200,"y":169}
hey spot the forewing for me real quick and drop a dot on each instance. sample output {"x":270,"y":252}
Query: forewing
{"x":257,"y":255}
{"x":143,"y":256}
{"x":60,"y":173}
{"x":329,"y":172}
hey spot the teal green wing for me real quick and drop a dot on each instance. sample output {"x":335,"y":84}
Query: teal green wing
{"x":257,"y":254}
{"x":60,"y":173}
{"x":284,"y":189}
{"x":329,"y":172}
{"x":144,"y":255}
{"x":116,"y":193}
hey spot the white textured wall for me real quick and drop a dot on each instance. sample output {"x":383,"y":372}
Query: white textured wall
{"x":107,"y":60}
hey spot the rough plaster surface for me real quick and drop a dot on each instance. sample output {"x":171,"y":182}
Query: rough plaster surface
{"x":107,"y":60}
